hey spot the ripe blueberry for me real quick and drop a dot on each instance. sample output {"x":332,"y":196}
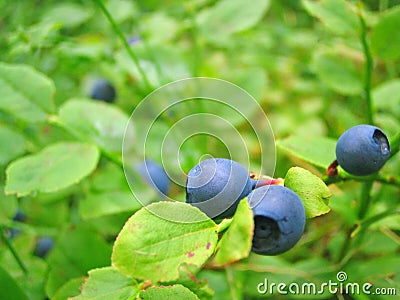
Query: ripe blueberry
{"x":279,"y":219}
{"x":216,"y":186}
{"x":154,"y":175}
{"x":362,"y":150}
{"x":43,"y":246}
{"x":103,"y":90}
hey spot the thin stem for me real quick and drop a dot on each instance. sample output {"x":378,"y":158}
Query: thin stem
{"x":368,"y":66}
{"x":345,"y":246}
{"x":363,"y":225}
{"x":365,"y":199}
{"x":14,"y":253}
{"x":125,"y":43}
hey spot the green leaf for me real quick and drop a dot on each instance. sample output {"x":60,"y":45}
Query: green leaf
{"x":338,"y":16}
{"x":70,"y":289}
{"x":25,"y":93}
{"x":10,"y":288}
{"x":318,"y":151}
{"x":159,"y":238}
{"x":96,"y":121}
{"x":198,"y":286}
{"x":55,"y":167}
{"x":311,"y":189}
{"x":107,"y":283}
{"x":230,"y":16}
{"x":8,"y":206}
{"x":235,"y":244}
{"x":338,"y":72}
{"x":68,"y":14}
{"x":9,"y":151}
{"x":385,"y":39}
{"x":386,"y":97}
{"x":176,"y":292}
{"x":102,"y":204}
{"x":77,"y":250}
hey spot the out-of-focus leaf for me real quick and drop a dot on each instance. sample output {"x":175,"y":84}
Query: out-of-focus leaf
{"x":25,"y":93}
{"x":10,"y":288}
{"x":386,"y":97}
{"x":338,"y":72}
{"x":385,"y":39}
{"x":68,"y":14}
{"x":55,"y":167}
{"x":9,"y":151}
{"x":107,"y":283}
{"x":77,"y":250}
{"x":339,"y":16}
{"x":99,"y":122}
{"x":230,"y":16}
{"x":70,"y":289}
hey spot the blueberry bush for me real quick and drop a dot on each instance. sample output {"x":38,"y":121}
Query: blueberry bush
{"x":87,"y":212}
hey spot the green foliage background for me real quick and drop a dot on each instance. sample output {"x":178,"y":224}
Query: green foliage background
{"x":315,"y":67}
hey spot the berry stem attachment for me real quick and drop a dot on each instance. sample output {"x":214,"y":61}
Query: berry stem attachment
{"x":260,"y":183}
{"x":13,"y":252}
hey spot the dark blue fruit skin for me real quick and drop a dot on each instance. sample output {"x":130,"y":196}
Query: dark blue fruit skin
{"x":362,"y":150}
{"x":103,"y":90}
{"x":43,"y":246}
{"x":154,"y":175}
{"x":216,"y":186}
{"x":279,"y":219}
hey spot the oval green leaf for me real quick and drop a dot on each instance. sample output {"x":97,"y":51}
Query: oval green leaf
{"x":385,"y":39}
{"x":311,"y":189}
{"x":25,"y":93}
{"x":10,"y":288}
{"x":337,"y":15}
{"x":176,"y":292}
{"x":230,"y":16}
{"x":96,"y":121}
{"x":10,"y":150}
{"x":152,"y":247}
{"x":318,"y":151}
{"x":235,"y":243}
{"x":338,"y":72}
{"x":55,"y":167}
{"x":107,"y":283}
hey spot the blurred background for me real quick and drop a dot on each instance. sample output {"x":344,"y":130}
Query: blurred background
{"x":302,"y":61}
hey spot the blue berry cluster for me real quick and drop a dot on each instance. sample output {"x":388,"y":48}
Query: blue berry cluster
{"x":217,"y":185}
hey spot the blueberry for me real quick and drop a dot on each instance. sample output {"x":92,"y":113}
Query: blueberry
{"x":362,"y":150}
{"x":19,"y":216}
{"x":279,"y":219}
{"x":103,"y":90}
{"x":43,"y":246}
{"x":154,"y":175}
{"x":216,"y":186}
